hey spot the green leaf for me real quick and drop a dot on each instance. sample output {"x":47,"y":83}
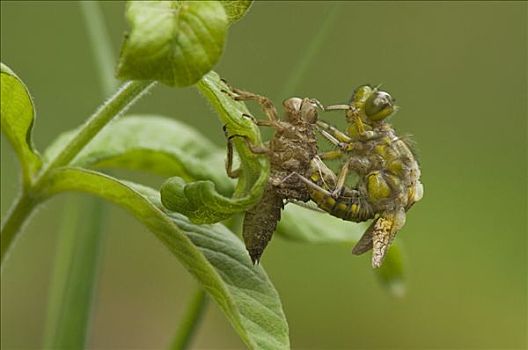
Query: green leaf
{"x":17,"y":116}
{"x":199,"y":200}
{"x":236,"y":9}
{"x":151,"y":143}
{"x":211,"y":253}
{"x":307,"y":226}
{"x":175,"y":42}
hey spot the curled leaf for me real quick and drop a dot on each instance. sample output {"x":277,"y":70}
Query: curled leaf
{"x":175,"y":42}
{"x":199,"y":200}
{"x":17,"y":116}
{"x":211,"y":253}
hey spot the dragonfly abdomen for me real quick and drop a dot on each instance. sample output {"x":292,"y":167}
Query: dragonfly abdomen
{"x":346,"y":208}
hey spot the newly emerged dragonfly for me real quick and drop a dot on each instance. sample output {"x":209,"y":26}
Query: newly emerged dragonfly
{"x":389,"y":175}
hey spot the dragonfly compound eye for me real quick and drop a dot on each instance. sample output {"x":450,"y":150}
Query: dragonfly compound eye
{"x":379,"y":106}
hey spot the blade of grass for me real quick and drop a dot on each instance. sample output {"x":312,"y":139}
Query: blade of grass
{"x":190,"y":320}
{"x":74,"y":276}
{"x":80,"y":241}
{"x":101,"y":45}
{"x":310,"y":52}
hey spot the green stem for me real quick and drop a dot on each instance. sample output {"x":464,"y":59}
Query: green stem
{"x":129,"y":93}
{"x":101,"y":46}
{"x":190,"y":321}
{"x":80,"y":240}
{"x":300,"y":69}
{"x":15,"y":218}
{"x":74,"y":275}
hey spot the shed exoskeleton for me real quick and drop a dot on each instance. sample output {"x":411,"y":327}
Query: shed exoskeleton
{"x":291,"y":149}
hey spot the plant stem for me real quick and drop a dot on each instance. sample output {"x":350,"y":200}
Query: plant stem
{"x":190,"y":320}
{"x":80,"y":240}
{"x":310,"y":52}
{"x":15,"y":218}
{"x":129,"y":93}
{"x":74,"y":275}
{"x":101,"y":44}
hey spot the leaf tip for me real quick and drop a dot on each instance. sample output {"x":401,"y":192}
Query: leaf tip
{"x":397,"y":288}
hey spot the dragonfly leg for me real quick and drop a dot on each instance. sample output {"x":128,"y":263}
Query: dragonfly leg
{"x":337,"y":108}
{"x":341,"y":178}
{"x":252,"y":147}
{"x":333,"y":134}
{"x":307,"y":182}
{"x":230,"y":154}
{"x":352,"y":115}
{"x":265,"y":103}
{"x":258,"y":122}
{"x":335,"y":154}
{"x":229,"y":162}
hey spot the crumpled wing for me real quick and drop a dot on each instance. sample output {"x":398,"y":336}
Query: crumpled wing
{"x":382,"y":232}
{"x":365,"y":242}
{"x":385,"y":229}
{"x":379,"y":235}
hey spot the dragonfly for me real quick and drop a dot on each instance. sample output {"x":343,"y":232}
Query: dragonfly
{"x":389,"y":174}
{"x":293,"y":151}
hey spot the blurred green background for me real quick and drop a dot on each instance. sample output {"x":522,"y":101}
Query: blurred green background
{"x":459,"y":72}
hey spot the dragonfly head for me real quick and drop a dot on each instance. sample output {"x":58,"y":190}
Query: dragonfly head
{"x":379,"y":105}
{"x":376,"y":104}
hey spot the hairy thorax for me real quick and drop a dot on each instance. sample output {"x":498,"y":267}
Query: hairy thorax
{"x":388,"y":170}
